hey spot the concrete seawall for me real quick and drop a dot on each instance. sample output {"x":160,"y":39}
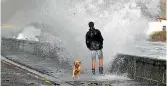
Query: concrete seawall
{"x":37,"y":48}
{"x":143,"y":69}
{"x":43,"y":49}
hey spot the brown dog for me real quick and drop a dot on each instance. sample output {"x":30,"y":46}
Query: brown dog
{"x":76,"y":69}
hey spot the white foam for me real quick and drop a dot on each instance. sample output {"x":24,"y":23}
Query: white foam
{"x":29,"y":33}
{"x":109,"y":77}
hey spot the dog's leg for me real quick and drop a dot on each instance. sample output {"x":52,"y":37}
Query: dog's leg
{"x":73,"y":71}
{"x":78,"y":75}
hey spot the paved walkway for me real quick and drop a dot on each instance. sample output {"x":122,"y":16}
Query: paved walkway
{"x":12,"y":75}
{"x":50,"y":67}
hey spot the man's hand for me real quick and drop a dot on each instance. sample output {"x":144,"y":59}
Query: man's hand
{"x":88,"y":44}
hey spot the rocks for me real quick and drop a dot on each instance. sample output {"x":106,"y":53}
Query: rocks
{"x":158,"y":36}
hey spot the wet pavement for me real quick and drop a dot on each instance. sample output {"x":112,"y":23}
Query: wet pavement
{"x":45,"y":65}
{"x":12,"y":75}
{"x":49,"y":67}
{"x":15,"y":76}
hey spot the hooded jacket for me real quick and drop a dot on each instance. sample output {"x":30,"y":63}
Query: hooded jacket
{"x":94,"y":39}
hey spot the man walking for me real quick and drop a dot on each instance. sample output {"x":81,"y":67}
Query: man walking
{"x":94,"y":42}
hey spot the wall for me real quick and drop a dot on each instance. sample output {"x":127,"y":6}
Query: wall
{"x":37,"y":48}
{"x":143,"y":69}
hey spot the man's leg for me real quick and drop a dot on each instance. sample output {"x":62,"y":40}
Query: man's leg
{"x":93,"y":61}
{"x":100,"y":56}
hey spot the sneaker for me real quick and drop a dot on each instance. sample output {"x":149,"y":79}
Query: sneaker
{"x":101,"y":70}
{"x":93,"y":71}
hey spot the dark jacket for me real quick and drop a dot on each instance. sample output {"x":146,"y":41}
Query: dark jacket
{"x":94,"y":39}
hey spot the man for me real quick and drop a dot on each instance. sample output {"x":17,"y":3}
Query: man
{"x":94,"y":42}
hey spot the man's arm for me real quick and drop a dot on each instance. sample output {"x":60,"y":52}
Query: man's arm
{"x":100,"y":37}
{"x":87,"y":40}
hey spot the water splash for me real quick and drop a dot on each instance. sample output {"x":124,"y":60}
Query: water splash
{"x":29,"y":33}
{"x":122,"y":22}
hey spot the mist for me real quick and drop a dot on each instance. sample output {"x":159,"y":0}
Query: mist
{"x":122,"y":22}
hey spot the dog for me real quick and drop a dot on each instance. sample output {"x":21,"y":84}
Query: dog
{"x":76,"y":69}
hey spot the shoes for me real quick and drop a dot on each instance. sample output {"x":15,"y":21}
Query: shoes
{"x":101,"y":70}
{"x":93,"y":71}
